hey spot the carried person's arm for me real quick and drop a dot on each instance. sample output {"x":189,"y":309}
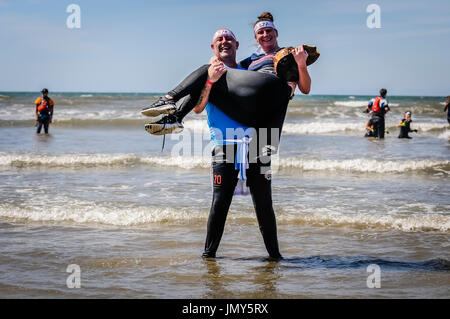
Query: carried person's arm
{"x":215,"y":71}
{"x":300,"y":56}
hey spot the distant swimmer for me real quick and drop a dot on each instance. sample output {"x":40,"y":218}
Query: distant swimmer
{"x":447,"y":108}
{"x":44,"y":111}
{"x":405,"y":126}
{"x":379,"y":106}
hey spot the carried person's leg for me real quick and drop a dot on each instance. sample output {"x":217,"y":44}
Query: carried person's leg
{"x":191,"y":85}
{"x":246,"y":96}
{"x":254,"y":99}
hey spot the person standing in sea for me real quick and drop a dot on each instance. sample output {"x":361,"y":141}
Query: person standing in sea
{"x":44,"y":111}
{"x":379,"y":107}
{"x":447,"y":108}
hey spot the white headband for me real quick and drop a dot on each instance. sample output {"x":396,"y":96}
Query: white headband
{"x":221,"y":32}
{"x":263,"y":24}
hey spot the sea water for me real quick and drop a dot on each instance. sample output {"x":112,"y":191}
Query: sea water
{"x":99,"y":193}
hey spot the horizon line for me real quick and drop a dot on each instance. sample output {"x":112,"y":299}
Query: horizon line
{"x":156,"y":93}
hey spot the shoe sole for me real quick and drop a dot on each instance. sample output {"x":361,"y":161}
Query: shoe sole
{"x":155,"y":111}
{"x":154,"y":119}
{"x":159,"y":129}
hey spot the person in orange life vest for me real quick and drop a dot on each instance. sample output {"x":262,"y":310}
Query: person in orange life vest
{"x":44,"y":111}
{"x":379,"y":106}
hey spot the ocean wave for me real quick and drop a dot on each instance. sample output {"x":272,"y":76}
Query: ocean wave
{"x":332,"y":127}
{"x":323,"y":127}
{"x":404,"y":222}
{"x":351,"y":103}
{"x":445,"y":135}
{"x":365,"y":165}
{"x":90,"y":213}
{"x":202,"y":162}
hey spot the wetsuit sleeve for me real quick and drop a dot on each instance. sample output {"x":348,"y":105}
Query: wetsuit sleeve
{"x":51,"y":102}
{"x":38,"y":101}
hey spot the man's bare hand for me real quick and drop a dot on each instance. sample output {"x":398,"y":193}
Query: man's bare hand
{"x":216,"y":69}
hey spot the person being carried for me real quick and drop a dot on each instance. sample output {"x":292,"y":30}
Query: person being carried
{"x":405,"y":126}
{"x":379,"y":106}
{"x":44,"y":111}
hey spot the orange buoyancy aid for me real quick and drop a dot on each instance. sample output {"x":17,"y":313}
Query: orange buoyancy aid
{"x":44,"y":105}
{"x":376,"y":105}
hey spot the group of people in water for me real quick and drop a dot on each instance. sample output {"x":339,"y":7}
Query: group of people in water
{"x":246,"y":104}
{"x":377,"y":108}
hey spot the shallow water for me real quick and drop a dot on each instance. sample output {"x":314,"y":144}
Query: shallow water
{"x":98,"y":192}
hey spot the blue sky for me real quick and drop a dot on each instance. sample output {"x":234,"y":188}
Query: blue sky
{"x":149,"y":46}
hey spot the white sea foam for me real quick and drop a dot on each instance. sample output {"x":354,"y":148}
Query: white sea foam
{"x":321,"y":127}
{"x":364,"y":165}
{"x":402,"y":222}
{"x":445,"y":135}
{"x":89,"y":213}
{"x":354,"y":103}
{"x":330,"y":127}
{"x":192,"y":162}
{"x":351,"y":103}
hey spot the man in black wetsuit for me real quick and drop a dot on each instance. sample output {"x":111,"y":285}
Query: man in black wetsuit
{"x":224,"y":168}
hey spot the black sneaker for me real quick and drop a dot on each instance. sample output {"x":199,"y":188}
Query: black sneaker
{"x":167,"y":125}
{"x":162,"y":106}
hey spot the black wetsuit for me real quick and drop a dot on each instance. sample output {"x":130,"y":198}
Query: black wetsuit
{"x":447,"y":107}
{"x":255,"y":99}
{"x":225,"y":177}
{"x":405,"y":129}
{"x":43,"y":121}
{"x":377,"y":124}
